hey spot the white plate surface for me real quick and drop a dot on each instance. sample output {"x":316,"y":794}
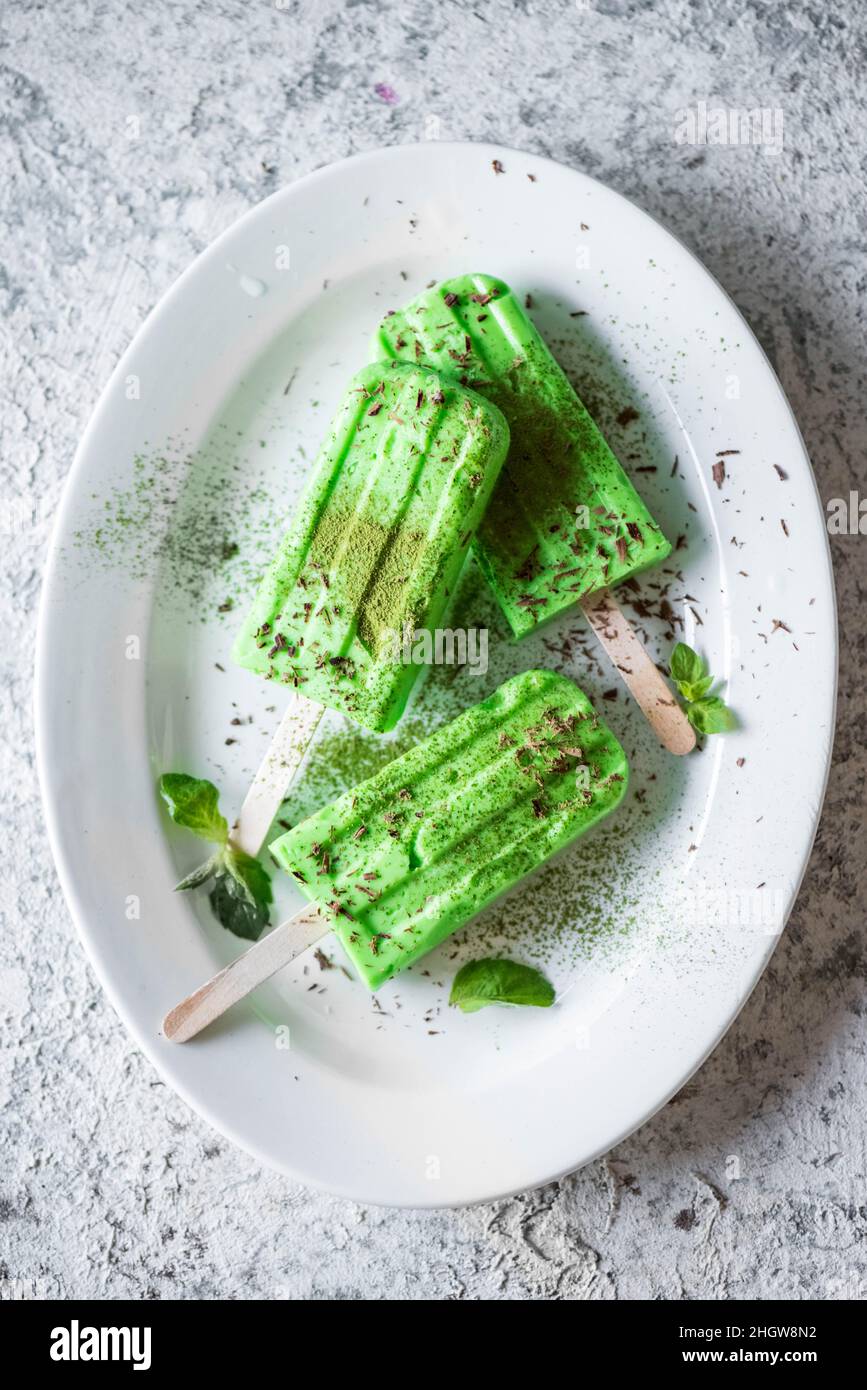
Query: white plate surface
{"x":655,"y":929}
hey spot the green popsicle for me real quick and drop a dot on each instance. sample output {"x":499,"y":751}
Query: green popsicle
{"x":398,"y":489}
{"x":412,"y":854}
{"x":564,"y":520}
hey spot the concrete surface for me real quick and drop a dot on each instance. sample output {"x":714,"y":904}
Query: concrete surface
{"x":132,"y":135}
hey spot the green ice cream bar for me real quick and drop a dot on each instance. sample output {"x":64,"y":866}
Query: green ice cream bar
{"x":376,"y":545}
{"x":564,"y":520}
{"x":415,"y":852}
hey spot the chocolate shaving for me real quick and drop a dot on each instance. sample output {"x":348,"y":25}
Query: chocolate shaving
{"x":530,"y":567}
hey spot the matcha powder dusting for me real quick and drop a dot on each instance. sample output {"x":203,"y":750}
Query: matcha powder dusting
{"x":377,"y":562}
{"x":202,"y":521}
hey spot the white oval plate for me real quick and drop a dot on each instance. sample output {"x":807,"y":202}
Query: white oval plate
{"x":655,"y":929}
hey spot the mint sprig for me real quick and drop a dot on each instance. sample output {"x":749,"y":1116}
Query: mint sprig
{"x":491,"y":981}
{"x":708,"y":714}
{"x":241,"y":894}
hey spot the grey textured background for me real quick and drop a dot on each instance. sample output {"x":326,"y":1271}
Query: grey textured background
{"x":132,"y":135}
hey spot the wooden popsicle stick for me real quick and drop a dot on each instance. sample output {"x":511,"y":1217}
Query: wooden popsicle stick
{"x":276,"y":774}
{"x":280,"y":947}
{"x":661,"y":709}
{"x":263,"y":800}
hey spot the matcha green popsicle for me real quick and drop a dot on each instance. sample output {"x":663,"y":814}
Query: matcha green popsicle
{"x":564,"y":521}
{"x":398,"y":489}
{"x":412,"y":854}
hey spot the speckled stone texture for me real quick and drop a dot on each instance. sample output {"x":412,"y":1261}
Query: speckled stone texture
{"x":133,"y":134}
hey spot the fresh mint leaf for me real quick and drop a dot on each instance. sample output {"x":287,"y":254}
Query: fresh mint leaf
{"x":241,"y":896}
{"x":251,"y":876}
{"x":236,"y":908}
{"x":711,"y":716}
{"x":491,"y":981}
{"x":201,"y":874}
{"x":686,"y":667}
{"x":694,"y":690}
{"x":194,"y":803}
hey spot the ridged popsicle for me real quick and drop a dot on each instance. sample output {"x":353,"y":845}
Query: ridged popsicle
{"x":412,"y":854}
{"x":565,"y":520}
{"x":375,"y":547}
